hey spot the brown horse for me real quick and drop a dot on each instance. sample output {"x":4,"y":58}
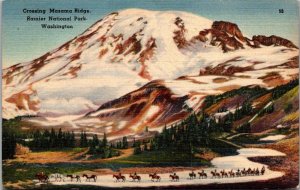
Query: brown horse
{"x":224,"y":174}
{"x":256,"y":171}
{"x":215,"y":174}
{"x":88,"y":178}
{"x":249,"y":171}
{"x":135,"y":177}
{"x":253,"y":172}
{"x":154,"y":176}
{"x":202,"y":174}
{"x":174,"y":177}
{"x":244,"y":172}
{"x":118,"y":177}
{"x":192,"y":175}
{"x":231,"y":173}
{"x":43,"y":178}
{"x":77,"y":177}
{"x":263,"y":170}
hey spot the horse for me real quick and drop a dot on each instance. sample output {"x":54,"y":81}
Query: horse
{"x":192,"y":175}
{"x":249,"y":171}
{"x":231,"y":173}
{"x":90,"y":177}
{"x":154,"y":176}
{"x":256,"y":171}
{"x":263,"y":170}
{"x":224,"y":174}
{"x":57,"y":176}
{"x":118,"y":177}
{"x":77,"y":177}
{"x":238,"y":174}
{"x":244,"y":172}
{"x":215,"y":174}
{"x":253,"y":172}
{"x":174,"y":177}
{"x":135,"y":177}
{"x":43,"y":178}
{"x":202,"y":174}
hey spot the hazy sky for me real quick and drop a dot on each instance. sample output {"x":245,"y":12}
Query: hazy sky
{"x":24,"y":41}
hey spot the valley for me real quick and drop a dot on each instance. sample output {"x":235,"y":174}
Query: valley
{"x":220,"y":143}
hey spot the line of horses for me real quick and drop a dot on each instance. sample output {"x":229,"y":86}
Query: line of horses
{"x":136,"y":178}
{"x":42,"y":177}
{"x":231,"y":173}
{"x":154,"y":176}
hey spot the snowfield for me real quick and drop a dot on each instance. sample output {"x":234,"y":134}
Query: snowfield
{"x":75,"y":79}
{"x":239,"y":161}
{"x":273,"y":138}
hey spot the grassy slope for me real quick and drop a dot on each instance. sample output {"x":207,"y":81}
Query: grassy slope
{"x":279,"y":116}
{"x":270,"y":121}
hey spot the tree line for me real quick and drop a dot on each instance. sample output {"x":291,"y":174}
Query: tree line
{"x":44,"y":140}
{"x":99,"y":147}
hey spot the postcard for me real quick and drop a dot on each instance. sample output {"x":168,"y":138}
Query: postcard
{"x":150,"y":94}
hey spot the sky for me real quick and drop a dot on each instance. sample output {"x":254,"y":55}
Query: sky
{"x":24,"y":41}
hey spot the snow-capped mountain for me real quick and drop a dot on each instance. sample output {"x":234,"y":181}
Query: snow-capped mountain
{"x":137,"y":67}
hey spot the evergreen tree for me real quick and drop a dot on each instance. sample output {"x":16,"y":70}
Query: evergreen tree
{"x":95,"y":141}
{"x":104,"y":141}
{"x":72,"y":140}
{"x":59,"y":138}
{"x":124,"y":142}
{"x":83,"y":140}
{"x":8,"y":146}
{"x":37,"y":139}
{"x":134,"y":143}
{"x":53,"y":138}
{"x":137,"y":150}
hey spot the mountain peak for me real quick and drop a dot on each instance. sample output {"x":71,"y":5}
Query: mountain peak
{"x":138,"y":46}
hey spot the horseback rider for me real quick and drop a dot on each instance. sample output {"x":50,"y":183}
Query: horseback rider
{"x":120,"y":174}
{"x":263,"y":170}
{"x":135,"y":174}
{"x":154,"y":174}
{"x":174,"y":174}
